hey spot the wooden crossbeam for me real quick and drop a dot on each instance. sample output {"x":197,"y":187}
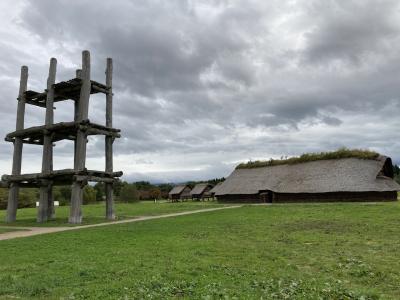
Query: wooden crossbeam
{"x":36,"y":103}
{"x":62,"y":130}
{"x":83,"y":178}
{"x":60,"y":173}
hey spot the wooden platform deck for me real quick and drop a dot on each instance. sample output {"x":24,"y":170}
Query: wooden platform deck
{"x":60,"y":131}
{"x":64,"y":90}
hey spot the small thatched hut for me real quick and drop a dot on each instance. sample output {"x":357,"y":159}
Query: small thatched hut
{"x":179,"y":192}
{"x":324,"y":180}
{"x":201,"y":191}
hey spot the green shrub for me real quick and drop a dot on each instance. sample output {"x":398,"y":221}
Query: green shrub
{"x":89,"y":194}
{"x":27,"y":197}
{"x":62,"y":194}
{"x":129,"y":193}
{"x":3,"y":198}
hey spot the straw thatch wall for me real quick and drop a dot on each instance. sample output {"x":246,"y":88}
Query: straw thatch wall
{"x":336,"y":197}
{"x":240,"y":198}
{"x":310,"y":197}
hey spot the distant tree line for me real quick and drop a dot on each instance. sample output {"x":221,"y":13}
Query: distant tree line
{"x":123,"y":191}
{"x":213,"y":182}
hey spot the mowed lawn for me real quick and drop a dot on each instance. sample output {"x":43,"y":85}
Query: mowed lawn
{"x":4,"y":229}
{"x":95,"y":213}
{"x":313,"y":251}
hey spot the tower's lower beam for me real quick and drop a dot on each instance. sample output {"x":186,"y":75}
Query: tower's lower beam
{"x":13,"y":195}
{"x":46,"y":204}
{"x":51,"y":212}
{"x":12,"y":203}
{"x":42,"y":213}
{"x":110,"y":213}
{"x":75,"y":215}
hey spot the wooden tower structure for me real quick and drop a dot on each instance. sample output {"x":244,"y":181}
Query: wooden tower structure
{"x":78,"y":90}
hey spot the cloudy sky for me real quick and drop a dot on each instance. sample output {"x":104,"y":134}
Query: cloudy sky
{"x":202,"y":85}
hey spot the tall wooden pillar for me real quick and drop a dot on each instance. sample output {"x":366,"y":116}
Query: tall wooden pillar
{"x":76,"y":110}
{"x":46,"y":205}
{"x":81,"y":139}
{"x":17,"y":156}
{"x":110,"y":214}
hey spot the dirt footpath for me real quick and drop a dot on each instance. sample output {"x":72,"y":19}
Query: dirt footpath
{"x":30,"y":231}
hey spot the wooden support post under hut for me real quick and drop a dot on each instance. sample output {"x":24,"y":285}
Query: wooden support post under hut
{"x":78,"y":90}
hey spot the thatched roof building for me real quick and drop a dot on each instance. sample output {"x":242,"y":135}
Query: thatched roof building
{"x":201,"y":191}
{"x":179,"y":192}
{"x":343,"y":179}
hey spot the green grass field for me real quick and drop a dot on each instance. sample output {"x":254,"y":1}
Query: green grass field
{"x":95,"y":213}
{"x":4,"y":230}
{"x":313,"y":251}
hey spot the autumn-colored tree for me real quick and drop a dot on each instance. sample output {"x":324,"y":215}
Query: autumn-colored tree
{"x":155,"y":193}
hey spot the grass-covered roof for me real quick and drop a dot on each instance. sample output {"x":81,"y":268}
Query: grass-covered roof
{"x":307,"y":157}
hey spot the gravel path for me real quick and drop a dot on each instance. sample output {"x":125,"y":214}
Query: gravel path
{"x":30,"y":231}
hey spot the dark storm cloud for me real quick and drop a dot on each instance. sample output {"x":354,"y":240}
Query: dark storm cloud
{"x":209,"y":83}
{"x":350,"y":30}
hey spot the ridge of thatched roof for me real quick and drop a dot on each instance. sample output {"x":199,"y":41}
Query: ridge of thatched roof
{"x":307,"y":157}
{"x":321,"y":176}
{"x":177,"y":189}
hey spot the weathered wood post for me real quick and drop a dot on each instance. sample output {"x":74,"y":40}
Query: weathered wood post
{"x":45,"y":207}
{"x":76,"y":110}
{"x":81,"y":139}
{"x":110,"y":214}
{"x":17,"y":156}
